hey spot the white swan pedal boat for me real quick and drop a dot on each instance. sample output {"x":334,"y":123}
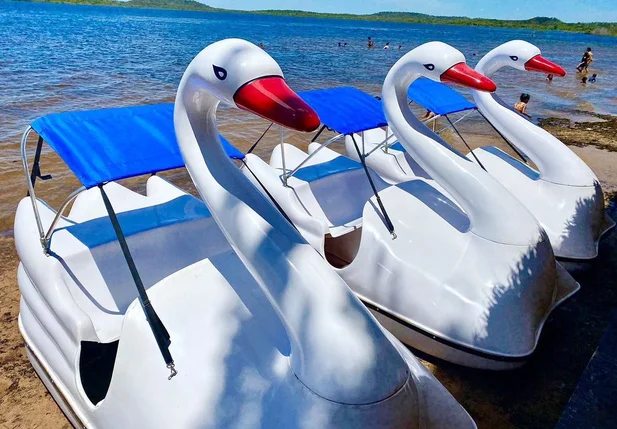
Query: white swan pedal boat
{"x":251,"y":329}
{"x":563,"y":193}
{"x":448,"y":270}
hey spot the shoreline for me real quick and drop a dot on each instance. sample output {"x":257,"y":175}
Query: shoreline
{"x":536,"y":23}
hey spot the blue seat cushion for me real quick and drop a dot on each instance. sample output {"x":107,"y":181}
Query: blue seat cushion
{"x":340,"y":164}
{"x":398,"y":146}
{"x":99,"y":231}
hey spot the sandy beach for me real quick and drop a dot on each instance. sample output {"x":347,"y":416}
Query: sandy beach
{"x":531,"y":397}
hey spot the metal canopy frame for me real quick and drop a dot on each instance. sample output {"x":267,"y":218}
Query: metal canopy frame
{"x":286,"y":175}
{"x":452,"y":124}
{"x":159,"y":331}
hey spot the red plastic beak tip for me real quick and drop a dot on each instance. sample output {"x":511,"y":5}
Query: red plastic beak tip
{"x":272,"y":99}
{"x":462,"y":74}
{"x":542,"y":65}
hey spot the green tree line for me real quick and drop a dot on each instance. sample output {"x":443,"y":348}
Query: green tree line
{"x":538,"y":23}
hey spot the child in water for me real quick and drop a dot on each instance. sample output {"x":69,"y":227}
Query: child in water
{"x":521,"y":106}
{"x":592,"y":79}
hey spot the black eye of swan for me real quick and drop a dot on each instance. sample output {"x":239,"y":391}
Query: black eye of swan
{"x":220,"y":72}
{"x":513,"y":57}
{"x":429,"y":67}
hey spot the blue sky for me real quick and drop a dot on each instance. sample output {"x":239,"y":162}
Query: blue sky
{"x":566,"y":10}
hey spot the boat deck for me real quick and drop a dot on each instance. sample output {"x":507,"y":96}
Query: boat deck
{"x":536,"y":396}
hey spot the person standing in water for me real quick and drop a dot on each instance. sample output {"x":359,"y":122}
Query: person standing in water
{"x":387,"y":45}
{"x":370,"y":43}
{"x":521,"y":106}
{"x":549,"y":78}
{"x":585,"y":61}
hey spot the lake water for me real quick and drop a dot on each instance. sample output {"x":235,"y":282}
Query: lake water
{"x":56,"y":57}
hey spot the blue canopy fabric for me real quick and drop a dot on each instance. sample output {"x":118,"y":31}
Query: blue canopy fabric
{"x":111,"y":144}
{"x":346,"y":110}
{"x":437,"y":97}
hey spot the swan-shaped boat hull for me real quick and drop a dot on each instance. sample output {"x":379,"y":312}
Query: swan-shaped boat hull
{"x":435,"y":259}
{"x":563,"y":193}
{"x":256,"y":329}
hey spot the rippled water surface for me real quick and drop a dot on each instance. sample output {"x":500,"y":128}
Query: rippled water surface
{"x":57,"y":57}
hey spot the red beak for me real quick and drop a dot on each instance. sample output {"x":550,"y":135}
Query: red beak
{"x":542,"y":65}
{"x":462,"y":74}
{"x":272,"y":99}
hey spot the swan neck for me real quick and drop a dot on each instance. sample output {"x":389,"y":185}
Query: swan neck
{"x":487,"y":204}
{"x":489,"y":65}
{"x":555,"y":162}
{"x":306,"y":294}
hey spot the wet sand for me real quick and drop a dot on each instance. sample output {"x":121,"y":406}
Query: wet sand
{"x":531,"y":397}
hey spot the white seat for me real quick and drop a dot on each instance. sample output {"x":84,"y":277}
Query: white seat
{"x":163,"y":238}
{"x":330,"y":186}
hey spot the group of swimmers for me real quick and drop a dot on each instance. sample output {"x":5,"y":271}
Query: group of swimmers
{"x":371,"y":44}
{"x":583,"y":67}
{"x":521,"y":105}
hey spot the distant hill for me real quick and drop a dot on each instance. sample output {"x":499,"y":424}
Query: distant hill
{"x":170,"y":4}
{"x":538,"y":23}
{"x":144,"y":4}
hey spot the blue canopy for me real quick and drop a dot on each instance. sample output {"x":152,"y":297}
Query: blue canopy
{"x":111,"y":144}
{"x":437,"y":97}
{"x":346,"y":110}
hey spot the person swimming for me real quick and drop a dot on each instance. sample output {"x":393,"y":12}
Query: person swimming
{"x":371,"y":43}
{"x":592,"y":79}
{"x":387,"y":45}
{"x":521,"y":106}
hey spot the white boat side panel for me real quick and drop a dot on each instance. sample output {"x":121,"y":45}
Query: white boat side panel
{"x":573,"y":216}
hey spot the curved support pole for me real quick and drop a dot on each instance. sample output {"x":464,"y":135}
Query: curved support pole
{"x":24,"y":161}
{"x":65,"y":204}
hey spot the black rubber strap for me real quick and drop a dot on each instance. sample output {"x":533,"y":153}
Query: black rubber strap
{"x":314,"y":139}
{"x":386,"y":218}
{"x":279,"y":208}
{"x":521,"y":156}
{"x":461,"y":137}
{"x":259,"y":139}
{"x":36,"y":167}
{"x":156,"y":325}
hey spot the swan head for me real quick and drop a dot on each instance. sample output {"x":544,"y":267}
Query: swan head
{"x":443,"y":63}
{"x":243,"y":75}
{"x":524,"y":56}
